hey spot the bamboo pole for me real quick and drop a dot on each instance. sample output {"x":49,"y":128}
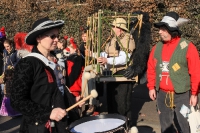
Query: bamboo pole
{"x":87,"y":43}
{"x":91,"y":38}
{"x":128,"y":41}
{"x":99,"y":38}
{"x":124,"y":16}
{"x":95,"y":38}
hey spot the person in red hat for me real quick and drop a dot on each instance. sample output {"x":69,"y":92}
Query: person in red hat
{"x":22,"y":48}
{"x":173,"y":73}
{"x":74,"y":68}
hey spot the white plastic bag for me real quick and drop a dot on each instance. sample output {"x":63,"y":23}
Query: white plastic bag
{"x":194,"y":120}
{"x":185,"y":110}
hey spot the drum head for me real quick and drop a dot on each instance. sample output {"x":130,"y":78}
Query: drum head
{"x":94,"y":124}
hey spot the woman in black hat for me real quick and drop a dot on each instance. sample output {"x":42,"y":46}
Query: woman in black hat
{"x":35,"y":93}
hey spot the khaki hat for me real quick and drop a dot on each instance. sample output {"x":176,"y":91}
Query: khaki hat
{"x":120,"y":23}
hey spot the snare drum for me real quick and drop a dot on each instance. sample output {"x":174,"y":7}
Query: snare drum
{"x":109,"y":123}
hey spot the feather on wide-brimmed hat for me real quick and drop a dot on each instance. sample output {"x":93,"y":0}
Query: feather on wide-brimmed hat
{"x":171,"y":21}
{"x":39,"y":27}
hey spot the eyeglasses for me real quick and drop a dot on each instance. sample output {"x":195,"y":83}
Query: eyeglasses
{"x":53,"y":36}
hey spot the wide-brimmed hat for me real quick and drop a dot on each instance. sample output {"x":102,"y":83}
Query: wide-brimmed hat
{"x":39,"y":27}
{"x":171,"y":21}
{"x":120,"y":23}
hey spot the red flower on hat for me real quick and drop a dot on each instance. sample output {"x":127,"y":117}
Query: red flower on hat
{"x":73,"y":43}
{"x":67,"y":49}
{"x":65,"y":37}
{"x":2,"y":30}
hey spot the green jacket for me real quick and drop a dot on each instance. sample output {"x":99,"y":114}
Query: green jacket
{"x":178,"y":69}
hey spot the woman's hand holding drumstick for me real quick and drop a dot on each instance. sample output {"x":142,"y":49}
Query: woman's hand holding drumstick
{"x":57,"y":114}
{"x":93,"y":94}
{"x":78,"y":98}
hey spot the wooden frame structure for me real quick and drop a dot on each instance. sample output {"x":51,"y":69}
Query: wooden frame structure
{"x":98,"y":25}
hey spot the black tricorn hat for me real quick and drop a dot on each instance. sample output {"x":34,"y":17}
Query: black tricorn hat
{"x":39,"y":27}
{"x":170,"y":21}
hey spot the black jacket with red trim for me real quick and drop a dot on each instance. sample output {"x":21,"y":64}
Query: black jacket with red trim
{"x":74,"y":71}
{"x":34,"y":92}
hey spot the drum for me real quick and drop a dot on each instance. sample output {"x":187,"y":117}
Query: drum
{"x":109,"y":123}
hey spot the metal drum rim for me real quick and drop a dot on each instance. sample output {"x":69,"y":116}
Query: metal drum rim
{"x":103,"y":116}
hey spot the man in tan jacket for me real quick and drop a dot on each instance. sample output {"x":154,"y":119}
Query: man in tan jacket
{"x":115,"y":58}
{"x":116,"y":55}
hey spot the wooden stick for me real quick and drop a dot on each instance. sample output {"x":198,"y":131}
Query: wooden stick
{"x":93,"y":94}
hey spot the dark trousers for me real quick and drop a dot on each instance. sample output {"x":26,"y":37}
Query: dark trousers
{"x":167,"y":114}
{"x":119,"y":97}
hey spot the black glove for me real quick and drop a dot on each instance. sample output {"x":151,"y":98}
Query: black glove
{"x":129,"y":73}
{"x":117,"y":46}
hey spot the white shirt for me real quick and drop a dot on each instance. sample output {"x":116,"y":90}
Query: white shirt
{"x":119,"y":60}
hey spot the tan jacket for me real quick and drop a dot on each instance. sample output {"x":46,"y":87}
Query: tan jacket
{"x":126,"y":43}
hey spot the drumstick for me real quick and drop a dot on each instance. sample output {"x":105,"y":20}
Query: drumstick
{"x":93,"y":94}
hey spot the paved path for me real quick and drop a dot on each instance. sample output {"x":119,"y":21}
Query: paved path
{"x":9,"y":124}
{"x":147,"y":121}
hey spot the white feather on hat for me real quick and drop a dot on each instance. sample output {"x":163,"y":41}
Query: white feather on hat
{"x":172,"y":21}
{"x":182,"y":21}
